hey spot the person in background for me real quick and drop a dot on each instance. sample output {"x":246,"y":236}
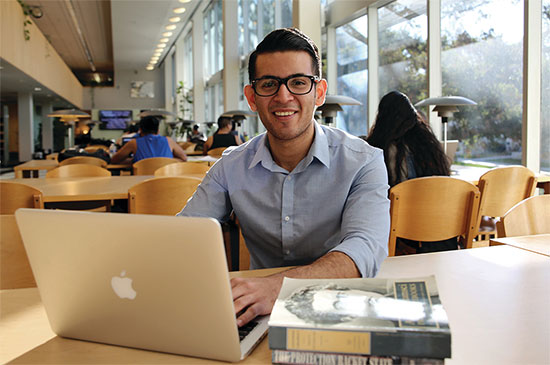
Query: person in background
{"x":131,"y":131}
{"x":410,"y":150}
{"x":306,"y":195}
{"x":149,"y":144}
{"x":195,"y":135}
{"x":223,"y":137}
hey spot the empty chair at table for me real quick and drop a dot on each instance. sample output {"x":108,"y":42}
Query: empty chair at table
{"x":528,"y":217}
{"x":78,"y":170}
{"x":434,"y":208}
{"x":148,"y":166}
{"x":182,"y":168}
{"x":15,"y":270}
{"x":84,"y":160}
{"x":165,"y":195}
{"x":501,"y":188}
{"x":14,"y":195}
{"x":216,"y":152}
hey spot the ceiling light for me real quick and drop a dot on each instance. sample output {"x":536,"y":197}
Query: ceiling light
{"x":161,"y":45}
{"x":170,"y":27}
{"x":179,"y":10}
{"x":154,"y":59}
{"x":167,"y":34}
{"x":37,"y":89}
{"x":174,"y":19}
{"x":149,"y":68}
{"x":164,"y":40}
{"x":185,"y":1}
{"x":157,"y":54}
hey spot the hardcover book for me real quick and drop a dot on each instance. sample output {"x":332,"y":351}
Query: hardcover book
{"x":324,"y":358}
{"x":380,"y":317}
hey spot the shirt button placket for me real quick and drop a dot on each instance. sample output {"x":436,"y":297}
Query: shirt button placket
{"x":286,"y":214}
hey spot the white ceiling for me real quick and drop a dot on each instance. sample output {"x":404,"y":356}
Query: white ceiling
{"x":119,"y":35}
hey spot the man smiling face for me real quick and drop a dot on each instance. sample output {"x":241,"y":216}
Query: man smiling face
{"x":286,"y":116}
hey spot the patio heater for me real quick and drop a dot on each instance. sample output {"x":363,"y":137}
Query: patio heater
{"x":69,"y":116}
{"x":333,"y":104}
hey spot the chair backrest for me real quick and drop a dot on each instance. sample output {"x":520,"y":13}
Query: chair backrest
{"x":84,"y":160}
{"x":182,"y":168}
{"x":78,"y":170}
{"x":503,"y":187}
{"x":95,"y":147}
{"x":433,"y":208}
{"x":528,"y":217}
{"x":14,"y":195}
{"x":165,"y":195}
{"x":15,"y":270}
{"x":216,"y":152}
{"x":148,"y":166}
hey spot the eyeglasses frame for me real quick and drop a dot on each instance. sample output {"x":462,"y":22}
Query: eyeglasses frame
{"x":284,"y":81}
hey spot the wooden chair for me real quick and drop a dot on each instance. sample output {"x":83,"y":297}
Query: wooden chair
{"x":432,"y":209}
{"x":14,"y":195}
{"x":148,"y":166}
{"x":501,"y":188}
{"x":216,"y":152}
{"x":165,"y":195}
{"x":77,"y":170}
{"x":182,"y":168}
{"x":528,"y":217}
{"x":84,"y":160}
{"x":15,"y":270}
{"x":95,"y":147}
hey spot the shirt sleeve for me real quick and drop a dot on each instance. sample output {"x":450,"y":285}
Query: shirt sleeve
{"x":211,"y":198}
{"x":366,"y":218}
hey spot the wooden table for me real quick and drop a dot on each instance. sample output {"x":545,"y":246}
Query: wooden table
{"x":70,"y":189}
{"x":33,"y":167}
{"x":497,"y":301}
{"x":539,"y":243}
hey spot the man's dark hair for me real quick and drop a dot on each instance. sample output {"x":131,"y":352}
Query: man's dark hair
{"x":149,"y":125}
{"x":285,"y":39}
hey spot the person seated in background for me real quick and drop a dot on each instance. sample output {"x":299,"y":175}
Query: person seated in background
{"x":195,"y":135}
{"x":410,"y":150}
{"x":149,"y":144}
{"x":131,"y":131}
{"x":223,"y":137}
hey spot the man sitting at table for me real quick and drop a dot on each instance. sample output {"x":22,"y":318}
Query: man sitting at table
{"x":149,"y":144}
{"x":305,"y":194}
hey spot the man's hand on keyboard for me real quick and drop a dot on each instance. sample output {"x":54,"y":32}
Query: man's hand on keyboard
{"x":254,"y":296}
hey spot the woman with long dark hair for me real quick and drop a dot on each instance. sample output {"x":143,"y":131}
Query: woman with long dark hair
{"x":410,"y":147}
{"x":410,"y":150}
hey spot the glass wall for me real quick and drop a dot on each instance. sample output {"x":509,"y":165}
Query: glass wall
{"x":402,"y":41}
{"x":545,"y":102}
{"x":482,"y":59}
{"x":187,"y":87}
{"x":352,"y":80}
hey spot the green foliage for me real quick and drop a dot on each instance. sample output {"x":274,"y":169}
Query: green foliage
{"x":26,"y":12}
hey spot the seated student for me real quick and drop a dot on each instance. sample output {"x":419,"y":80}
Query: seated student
{"x":149,"y":144}
{"x":410,"y":150}
{"x":131,"y":131}
{"x":195,"y":135}
{"x":223,"y":137}
{"x":305,"y":194}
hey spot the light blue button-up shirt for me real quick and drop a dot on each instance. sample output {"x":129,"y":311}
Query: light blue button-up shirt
{"x":335,"y":199}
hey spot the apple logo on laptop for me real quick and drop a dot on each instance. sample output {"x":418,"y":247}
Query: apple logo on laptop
{"x":123,"y":286}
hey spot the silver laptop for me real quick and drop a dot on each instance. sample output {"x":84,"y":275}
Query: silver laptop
{"x":146,"y":281}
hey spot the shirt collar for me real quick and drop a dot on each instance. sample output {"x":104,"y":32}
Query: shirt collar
{"x":319,"y":149}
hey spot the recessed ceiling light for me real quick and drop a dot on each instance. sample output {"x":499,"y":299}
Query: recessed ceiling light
{"x":164,"y":40}
{"x":185,"y":1}
{"x":37,"y":89}
{"x":150,"y":68}
{"x":174,"y":19}
{"x":170,"y":27}
{"x":167,"y":34}
{"x":179,"y":10}
{"x":162,"y":45}
{"x":157,"y":54}
{"x":154,"y":59}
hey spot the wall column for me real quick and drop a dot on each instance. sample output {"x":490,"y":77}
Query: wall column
{"x":47,"y":127}
{"x":25,"y":116}
{"x":435,"y":87}
{"x":231,"y":72}
{"x":306,"y":16}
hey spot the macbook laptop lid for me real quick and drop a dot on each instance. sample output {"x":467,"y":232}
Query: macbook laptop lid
{"x":147,"y":281}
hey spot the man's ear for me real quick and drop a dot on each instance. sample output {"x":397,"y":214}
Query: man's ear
{"x":250,"y":97}
{"x":320,"y":92}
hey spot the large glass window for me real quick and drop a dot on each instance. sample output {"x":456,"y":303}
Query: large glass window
{"x":545,"y":117}
{"x":403,"y":61}
{"x":213,"y":56}
{"x":187,"y":86}
{"x":351,"y":55}
{"x":482,"y":59}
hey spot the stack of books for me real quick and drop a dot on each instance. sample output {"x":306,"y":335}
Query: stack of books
{"x":359,"y":321}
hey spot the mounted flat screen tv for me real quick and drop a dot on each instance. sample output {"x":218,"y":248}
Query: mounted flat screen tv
{"x":114,"y":119}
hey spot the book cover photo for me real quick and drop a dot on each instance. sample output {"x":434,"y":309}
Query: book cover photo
{"x":372,"y":316}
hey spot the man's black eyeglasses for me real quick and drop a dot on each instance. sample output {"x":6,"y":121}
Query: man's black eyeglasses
{"x":296,"y":84}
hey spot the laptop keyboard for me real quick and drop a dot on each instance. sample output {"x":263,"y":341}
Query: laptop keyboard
{"x":246,"y":329}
